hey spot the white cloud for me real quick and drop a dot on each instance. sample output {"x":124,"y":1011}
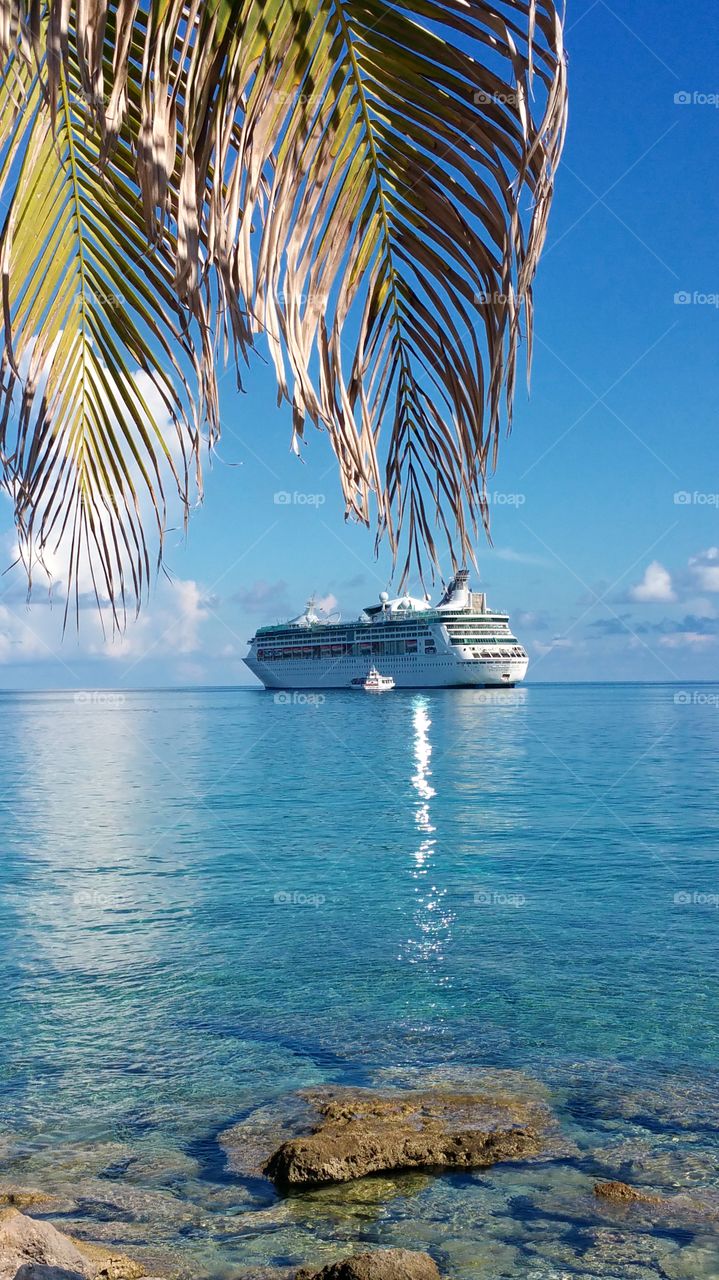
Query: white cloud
{"x":557,"y":642}
{"x":171,"y":627}
{"x":268,"y":599}
{"x":170,"y":624}
{"x":53,"y":569}
{"x":690,"y":639}
{"x":19,"y":641}
{"x":705,"y":569}
{"x":326,"y":604}
{"x":191,"y":614}
{"x":537,"y":620}
{"x":655,"y":587}
{"x":521,"y":557}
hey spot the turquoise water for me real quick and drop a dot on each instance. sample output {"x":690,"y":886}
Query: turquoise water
{"x":211,"y":899}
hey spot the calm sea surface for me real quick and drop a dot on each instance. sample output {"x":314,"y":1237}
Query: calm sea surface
{"x":212,"y":899}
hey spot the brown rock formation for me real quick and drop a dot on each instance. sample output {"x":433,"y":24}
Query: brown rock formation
{"x":699,"y":1205}
{"x":31,"y":1248}
{"x":381,"y":1264}
{"x":361,"y":1132}
{"x":622,"y":1193}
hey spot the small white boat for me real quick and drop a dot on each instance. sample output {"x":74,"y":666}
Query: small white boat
{"x":373,"y":682}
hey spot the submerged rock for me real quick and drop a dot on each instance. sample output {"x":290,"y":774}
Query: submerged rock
{"x":107,"y":1263}
{"x":266,"y":1273}
{"x":24,"y":1197}
{"x":696,"y":1261}
{"x":685,"y":1206}
{"x":360,"y":1132}
{"x":621,"y":1193}
{"x":624,"y":1253}
{"x":380,"y":1264}
{"x":497,"y":1081}
{"x":679,"y":1102}
{"x":656,"y":1163}
{"x":249,"y":1143}
{"x":30,"y":1248}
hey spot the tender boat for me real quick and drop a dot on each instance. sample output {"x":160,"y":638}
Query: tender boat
{"x":373,"y":682}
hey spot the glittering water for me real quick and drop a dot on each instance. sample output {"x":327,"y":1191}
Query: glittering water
{"x":210,"y":899}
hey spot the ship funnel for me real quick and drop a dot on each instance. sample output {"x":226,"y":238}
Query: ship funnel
{"x":457,"y":594}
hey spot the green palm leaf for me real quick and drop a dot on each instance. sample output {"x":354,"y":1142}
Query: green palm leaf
{"x":366,"y":184}
{"x":86,"y":307}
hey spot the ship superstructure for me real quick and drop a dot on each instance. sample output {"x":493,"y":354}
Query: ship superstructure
{"x":458,"y":642}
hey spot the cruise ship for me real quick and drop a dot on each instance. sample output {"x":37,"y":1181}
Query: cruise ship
{"x":458,"y":642}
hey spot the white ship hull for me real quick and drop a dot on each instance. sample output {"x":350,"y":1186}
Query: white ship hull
{"x":413,"y":672}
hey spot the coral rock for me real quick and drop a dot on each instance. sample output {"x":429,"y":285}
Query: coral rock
{"x":381,"y":1264}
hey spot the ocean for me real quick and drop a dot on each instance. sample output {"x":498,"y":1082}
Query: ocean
{"x":211,"y":899}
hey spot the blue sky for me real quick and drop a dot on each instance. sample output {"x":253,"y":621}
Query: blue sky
{"x":608,"y":573}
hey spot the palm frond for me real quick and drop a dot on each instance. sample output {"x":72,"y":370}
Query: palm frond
{"x":86,"y":307}
{"x":402,"y":230}
{"x":367,"y":184}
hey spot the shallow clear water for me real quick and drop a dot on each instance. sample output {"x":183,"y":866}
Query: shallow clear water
{"x":211,"y":899}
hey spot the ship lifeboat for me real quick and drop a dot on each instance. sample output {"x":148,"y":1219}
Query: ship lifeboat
{"x":373,"y":682}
